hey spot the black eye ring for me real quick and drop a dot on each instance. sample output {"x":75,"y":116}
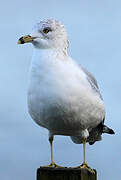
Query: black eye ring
{"x":46,"y":30}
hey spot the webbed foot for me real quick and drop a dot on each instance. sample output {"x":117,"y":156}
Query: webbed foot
{"x":85,"y":166}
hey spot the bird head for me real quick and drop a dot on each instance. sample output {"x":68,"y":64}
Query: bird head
{"x":47,"y":34}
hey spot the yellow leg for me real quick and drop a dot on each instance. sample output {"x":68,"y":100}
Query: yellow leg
{"x":84,"y":165}
{"x":51,"y":149}
{"x":84,"y":150}
{"x":53,"y":164}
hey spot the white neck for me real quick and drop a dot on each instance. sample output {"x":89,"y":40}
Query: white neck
{"x":45,"y":56}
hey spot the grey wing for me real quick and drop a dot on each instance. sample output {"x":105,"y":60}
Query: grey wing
{"x":95,"y":134}
{"x":92,"y":81}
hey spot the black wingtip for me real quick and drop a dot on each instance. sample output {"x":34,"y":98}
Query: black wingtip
{"x":107,"y":130}
{"x":91,"y":143}
{"x":111,"y":131}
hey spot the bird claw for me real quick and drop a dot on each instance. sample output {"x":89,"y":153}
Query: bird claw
{"x":54,"y":165}
{"x":85,"y":166}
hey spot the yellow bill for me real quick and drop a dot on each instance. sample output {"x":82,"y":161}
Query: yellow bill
{"x":25,"y":39}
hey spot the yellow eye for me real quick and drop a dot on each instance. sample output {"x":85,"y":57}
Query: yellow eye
{"x":46,"y":30}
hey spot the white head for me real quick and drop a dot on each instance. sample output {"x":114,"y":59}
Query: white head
{"x":47,"y":34}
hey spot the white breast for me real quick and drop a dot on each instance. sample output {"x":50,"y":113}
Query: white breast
{"x":59,"y":95}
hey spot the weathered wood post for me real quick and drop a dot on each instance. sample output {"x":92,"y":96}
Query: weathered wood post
{"x":50,"y":173}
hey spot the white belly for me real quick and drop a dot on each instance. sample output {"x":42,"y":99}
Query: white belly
{"x":61,"y":100}
{"x":65,"y":110}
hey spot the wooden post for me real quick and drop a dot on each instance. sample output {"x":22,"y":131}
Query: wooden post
{"x":50,"y":173}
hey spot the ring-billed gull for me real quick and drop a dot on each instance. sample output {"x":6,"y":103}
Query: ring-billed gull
{"x":62,"y":96}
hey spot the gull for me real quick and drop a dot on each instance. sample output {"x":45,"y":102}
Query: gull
{"x":63,"y":97}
